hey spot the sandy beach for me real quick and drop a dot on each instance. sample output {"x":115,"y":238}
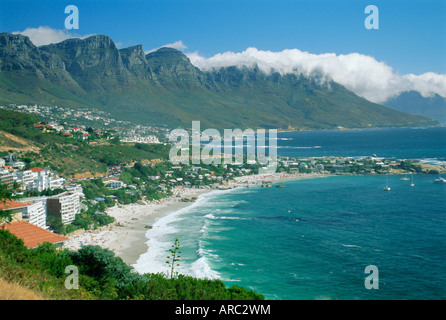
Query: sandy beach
{"x":126,"y":237}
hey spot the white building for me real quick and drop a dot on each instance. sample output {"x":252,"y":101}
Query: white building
{"x":75,"y":188}
{"x":35,"y":212}
{"x":113,"y":184}
{"x":55,"y":182}
{"x":40,"y":183}
{"x":64,"y":206}
{"x":18,"y":164}
{"x":26,"y":178}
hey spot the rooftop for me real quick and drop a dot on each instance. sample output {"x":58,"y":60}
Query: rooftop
{"x":31,"y":235}
{"x":6,"y":204}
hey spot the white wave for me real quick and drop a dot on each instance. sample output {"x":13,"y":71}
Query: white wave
{"x":350,"y":246}
{"x":433,"y":161}
{"x":210,"y":216}
{"x":160,"y":239}
{"x":201,"y":269}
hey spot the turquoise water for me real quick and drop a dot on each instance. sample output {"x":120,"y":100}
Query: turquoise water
{"x":314,"y":238}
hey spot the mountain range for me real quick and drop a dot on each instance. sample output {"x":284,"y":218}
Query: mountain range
{"x":414,"y":103}
{"x":164,"y":88}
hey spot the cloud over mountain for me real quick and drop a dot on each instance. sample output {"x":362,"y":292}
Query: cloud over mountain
{"x":179,"y":45}
{"x":45,"y":35}
{"x":362,"y":74}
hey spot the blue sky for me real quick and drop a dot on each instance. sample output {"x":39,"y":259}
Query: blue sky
{"x":411,"y":37}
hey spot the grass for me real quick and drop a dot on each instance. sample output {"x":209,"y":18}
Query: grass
{"x":14,"y":291}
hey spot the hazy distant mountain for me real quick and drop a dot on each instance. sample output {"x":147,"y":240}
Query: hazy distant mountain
{"x":414,"y":103}
{"x":163,"y":87}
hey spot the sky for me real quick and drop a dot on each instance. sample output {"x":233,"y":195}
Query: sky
{"x":408,"y":51}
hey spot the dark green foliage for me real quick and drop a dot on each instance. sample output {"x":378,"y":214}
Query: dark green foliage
{"x":4,"y":195}
{"x":11,"y":119}
{"x":55,"y":224}
{"x":105,"y":268}
{"x":52,"y":260}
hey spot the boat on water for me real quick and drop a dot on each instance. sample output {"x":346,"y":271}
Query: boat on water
{"x":405,"y":178}
{"x":412,"y":183}
{"x":440,"y":180}
{"x":387,"y":188}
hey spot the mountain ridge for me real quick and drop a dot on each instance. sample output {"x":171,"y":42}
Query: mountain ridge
{"x":413,"y":102}
{"x":164,"y":87}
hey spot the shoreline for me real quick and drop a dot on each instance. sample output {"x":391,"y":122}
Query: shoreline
{"x":126,"y":237}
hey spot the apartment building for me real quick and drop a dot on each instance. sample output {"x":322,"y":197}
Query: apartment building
{"x":6,"y":179}
{"x":35,"y":212}
{"x":64,"y":206}
{"x":26,"y":178}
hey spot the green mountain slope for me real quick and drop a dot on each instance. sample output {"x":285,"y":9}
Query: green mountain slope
{"x":163,"y":87}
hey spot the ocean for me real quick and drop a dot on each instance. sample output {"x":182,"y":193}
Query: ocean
{"x":314,"y":238}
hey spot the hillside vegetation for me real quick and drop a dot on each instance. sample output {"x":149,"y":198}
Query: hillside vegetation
{"x":70,"y":157}
{"x":40,"y":274}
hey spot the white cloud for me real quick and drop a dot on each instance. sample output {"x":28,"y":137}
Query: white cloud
{"x":45,"y":35}
{"x":364,"y":75}
{"x":179,"y":45}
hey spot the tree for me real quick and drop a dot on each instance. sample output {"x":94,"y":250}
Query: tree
{"x":55,"y":224}
{"x":174,"y":257}
{"x":5,"y":194}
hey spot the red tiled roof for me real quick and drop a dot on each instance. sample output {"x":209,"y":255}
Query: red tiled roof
{"x":6,"y":204}
{"x":36,"y":169}
{"x":31,"y":234}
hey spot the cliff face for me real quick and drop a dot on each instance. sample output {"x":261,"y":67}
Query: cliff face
{"x":92,"y":61}
{"x":164,"y":87}
{"x":134,"y":59}
{"x":18,"y":53}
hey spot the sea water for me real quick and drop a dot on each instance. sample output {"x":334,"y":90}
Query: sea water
{"x":314,"y":238}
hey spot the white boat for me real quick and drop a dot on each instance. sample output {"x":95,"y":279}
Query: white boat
{"x":412,"y":183}
{"x":386,"y":188}
{"x":405,"y":178}
{"x":440,"y":180}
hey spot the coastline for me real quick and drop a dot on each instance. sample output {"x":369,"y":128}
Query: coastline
{"x":126,"y":237}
